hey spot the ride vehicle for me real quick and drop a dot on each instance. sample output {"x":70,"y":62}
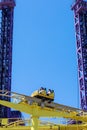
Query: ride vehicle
{"x":43,"y":94}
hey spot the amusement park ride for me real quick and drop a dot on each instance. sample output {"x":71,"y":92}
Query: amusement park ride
{"x":41,"y":102}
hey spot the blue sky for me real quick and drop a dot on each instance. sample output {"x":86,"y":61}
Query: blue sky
{"x":44,"y":49}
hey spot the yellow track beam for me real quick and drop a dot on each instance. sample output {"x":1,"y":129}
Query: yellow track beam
{"x":38,"y":111}
{"x":50,"y":127}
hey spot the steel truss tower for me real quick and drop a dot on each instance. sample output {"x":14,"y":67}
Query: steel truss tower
{"x":80,"y":16}
{"x":6,"y":40}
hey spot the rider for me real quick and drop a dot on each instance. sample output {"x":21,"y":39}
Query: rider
{"x":41,"y":90}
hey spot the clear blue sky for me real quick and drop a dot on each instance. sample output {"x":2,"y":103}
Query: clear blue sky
{"x":44,"y":49}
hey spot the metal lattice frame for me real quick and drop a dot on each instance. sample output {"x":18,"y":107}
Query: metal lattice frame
{"x":6,"y":36}
{"x":80,"y":16}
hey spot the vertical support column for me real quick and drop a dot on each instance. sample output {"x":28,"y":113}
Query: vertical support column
{"x":34,"y":123}
{"x":6,"y":41}
{"x":80,"y":16}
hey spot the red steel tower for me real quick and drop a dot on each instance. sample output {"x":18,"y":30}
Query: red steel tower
{"x":6,"y":40}
{"x":80,"y":16}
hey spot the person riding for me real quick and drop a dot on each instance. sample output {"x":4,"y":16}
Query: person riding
{"x":41,"y":90}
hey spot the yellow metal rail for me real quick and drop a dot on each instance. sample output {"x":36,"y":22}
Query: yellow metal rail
{"x":36,"y":108}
